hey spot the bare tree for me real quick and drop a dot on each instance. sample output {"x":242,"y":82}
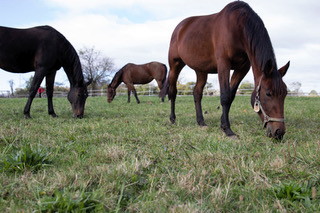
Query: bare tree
{"x":11,"y":83}
{"x":295,"y":87}
{"x":95,"y":66}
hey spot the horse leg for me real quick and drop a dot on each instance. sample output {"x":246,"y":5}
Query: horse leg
{"x":237,"y":77}
{"x":131,"y":87}
{"x":135,"y":95}
{"x":37,"y":79}
{"x":197,"y":95}
{"x":49,"y":87}
{"x":228,"y":97}
{"x":175,"y":69}
{"x":129,"y":93}
{"x":225,"y":97}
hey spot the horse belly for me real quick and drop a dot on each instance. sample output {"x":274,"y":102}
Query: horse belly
{"x":198,"y":57}
{"x":16,"y":64}
{"x":142,"y":80}
{"x":15,"y":59}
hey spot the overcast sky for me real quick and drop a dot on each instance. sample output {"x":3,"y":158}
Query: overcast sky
{"x":139,"y":31}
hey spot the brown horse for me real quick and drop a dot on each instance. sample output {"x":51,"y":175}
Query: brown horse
{"x":132,"y":74}
{"x":233,"y":39}
{"x":43,"y":50}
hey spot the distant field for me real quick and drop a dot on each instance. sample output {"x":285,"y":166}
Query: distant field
{"x":128,"y":157}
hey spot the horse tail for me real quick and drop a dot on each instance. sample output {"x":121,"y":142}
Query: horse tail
{"x":165,"y":74}
{"x":165,"y":89}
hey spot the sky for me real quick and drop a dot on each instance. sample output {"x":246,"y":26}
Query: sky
{"x":139,"y":31}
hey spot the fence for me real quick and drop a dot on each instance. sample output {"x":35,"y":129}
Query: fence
{"x":150,"y":92}
{"x":5,"y":94}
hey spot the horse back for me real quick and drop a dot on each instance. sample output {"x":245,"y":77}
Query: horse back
{"x":157,"y":70}
{"x":201,"y":41}
{"x":22,"y":50}
{"x":144,"y":73}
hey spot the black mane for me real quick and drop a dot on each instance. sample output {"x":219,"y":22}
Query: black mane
{"x":257,"y":35}
{"x":259,"y":42}
{"x":117,"y":79}
{"x":70,"y":60}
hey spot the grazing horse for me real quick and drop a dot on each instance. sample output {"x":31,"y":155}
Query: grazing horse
{"x":132,"y":74}
{"x":43,"y":50}
{"x":233,"y":39}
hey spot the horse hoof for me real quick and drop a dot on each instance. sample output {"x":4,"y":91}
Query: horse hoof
{"x":204,"y":127}
{"x":54,"y":115}
{"x":233,"y":137}
{"x":27,"y":116}
{"x":202,"y":124}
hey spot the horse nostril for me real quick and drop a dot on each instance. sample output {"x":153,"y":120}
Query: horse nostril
{"x":269,"y":132}
{"x":278,"y":134}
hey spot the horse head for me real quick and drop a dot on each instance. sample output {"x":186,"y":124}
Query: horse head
{"x":111,"y":92}
{"x":77,"y":97}
{"x":268,"y":100}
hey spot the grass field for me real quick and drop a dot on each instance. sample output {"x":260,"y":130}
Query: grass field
{"x":125,"y":157}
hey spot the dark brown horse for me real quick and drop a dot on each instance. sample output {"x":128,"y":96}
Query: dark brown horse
{"x":132,"y":74}
{"x":233,"y":39}
{"x":43,"y":50}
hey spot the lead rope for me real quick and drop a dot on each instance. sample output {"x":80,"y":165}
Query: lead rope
{"x":258,"y":107}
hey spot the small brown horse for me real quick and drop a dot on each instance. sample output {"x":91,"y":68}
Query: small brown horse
{"x":132,"y":74}
{"x":43,"y":50}
{"x":233,"y":39}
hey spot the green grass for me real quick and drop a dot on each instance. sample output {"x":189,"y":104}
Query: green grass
{"x":125,"y":157}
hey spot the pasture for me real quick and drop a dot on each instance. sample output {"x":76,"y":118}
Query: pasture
{"x":127,"y":157}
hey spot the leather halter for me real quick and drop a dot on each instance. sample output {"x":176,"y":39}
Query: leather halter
{"x":258,"y":107}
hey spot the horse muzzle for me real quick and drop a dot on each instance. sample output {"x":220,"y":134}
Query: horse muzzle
{"x":78,"y":116}
{"x":78,"y":113}
{"x":275,"y":132}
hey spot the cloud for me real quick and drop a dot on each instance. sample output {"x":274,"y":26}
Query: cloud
{"x":139,"y":31}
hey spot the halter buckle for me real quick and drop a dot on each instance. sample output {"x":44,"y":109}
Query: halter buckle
{"x":256,"y":106}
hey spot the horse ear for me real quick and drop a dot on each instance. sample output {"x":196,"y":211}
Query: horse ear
{"x":268,"y":67}
{"x":283,"y":70}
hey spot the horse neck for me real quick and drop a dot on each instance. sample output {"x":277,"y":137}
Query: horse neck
{"x":117,"y":79}
{"x":257,"y":72}
{"x":257,"y":42}
{"x":115,"y":83}
{"x":258,"y":57}
{"x":258,"y":68}
{"x":74,"y":75}
{"x":72,"y":67}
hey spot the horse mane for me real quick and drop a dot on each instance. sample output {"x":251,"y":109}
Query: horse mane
{"x":70,"y":61}
{"x":259,"y":42}
{"x":117,"y":79}
{"x":257,"y":35}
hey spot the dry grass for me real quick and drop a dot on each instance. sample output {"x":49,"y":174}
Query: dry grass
{"x":128,"y":157}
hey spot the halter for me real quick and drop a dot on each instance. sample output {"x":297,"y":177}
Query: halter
{"x":257,"y":107}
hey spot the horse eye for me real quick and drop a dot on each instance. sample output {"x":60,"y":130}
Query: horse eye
{"x":268,"y":94}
